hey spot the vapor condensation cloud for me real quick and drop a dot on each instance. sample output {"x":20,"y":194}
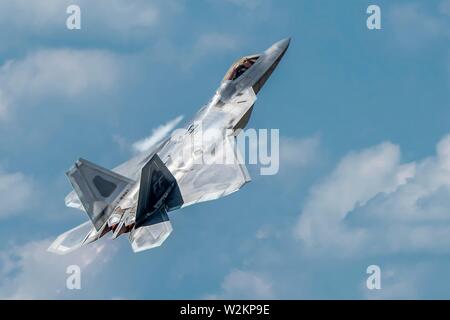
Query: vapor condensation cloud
{"x":157,"y":135}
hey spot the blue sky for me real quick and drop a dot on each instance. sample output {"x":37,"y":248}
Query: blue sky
{"x":365,"y":157}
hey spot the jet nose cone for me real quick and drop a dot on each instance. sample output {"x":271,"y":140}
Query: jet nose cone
{"x":283,"y":44}
{"x":279,"y":47}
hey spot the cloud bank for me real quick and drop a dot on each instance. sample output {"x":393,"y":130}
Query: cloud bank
{"x":373,"y":204}
{"x":55,"y":73}
{"x":17,"y":192}
{"x":240,"y":284}
{"x":30,"y":272}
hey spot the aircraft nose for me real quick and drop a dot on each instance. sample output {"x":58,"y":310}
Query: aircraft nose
{"x":283,"y":44}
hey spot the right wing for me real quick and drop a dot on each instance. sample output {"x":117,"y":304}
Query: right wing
{"x":205,"y":182}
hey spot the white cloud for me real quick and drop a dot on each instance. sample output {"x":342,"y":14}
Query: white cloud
{"x":414,"y":28}
{"x":299,"y":153}
{"x":244,"y":285}
{"x":371,"y":203}
{"x":33,"y":14}
{"x":357,"y":178}
{"x":294,"y":154}
{"x":213,"y":42}
{"x":205,"y":45}
{"x":399,"y":282}
{"x":124,"y":15}
{"x":55,"y":73}
{"x":157,"y":135}
{"x":17,"y":193}
{"x":49,"y":16}
{"x":30,"y":272}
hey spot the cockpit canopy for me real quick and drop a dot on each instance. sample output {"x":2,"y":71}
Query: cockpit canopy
{"x":240,"y":67}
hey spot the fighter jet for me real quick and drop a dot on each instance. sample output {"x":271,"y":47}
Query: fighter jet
{"x":136,"y":196}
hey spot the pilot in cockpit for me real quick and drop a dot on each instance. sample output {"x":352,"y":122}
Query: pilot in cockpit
{"x":241,"y":67}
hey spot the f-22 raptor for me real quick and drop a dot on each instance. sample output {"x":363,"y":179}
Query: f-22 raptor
{"x":136,"y":196}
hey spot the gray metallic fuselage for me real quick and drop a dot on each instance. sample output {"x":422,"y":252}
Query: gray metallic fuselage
{"x":213,"y":115}
{"x":178,"y":159}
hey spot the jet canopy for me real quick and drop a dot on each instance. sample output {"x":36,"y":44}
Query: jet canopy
{"x":240,"y":67}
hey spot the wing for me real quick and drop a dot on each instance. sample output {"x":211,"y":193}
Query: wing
{"x":206,"y":182}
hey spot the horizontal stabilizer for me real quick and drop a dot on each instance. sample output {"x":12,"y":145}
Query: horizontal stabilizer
{"x":153,"y":232}
{"x":75,"y":238}
{"x":98,"y":189}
